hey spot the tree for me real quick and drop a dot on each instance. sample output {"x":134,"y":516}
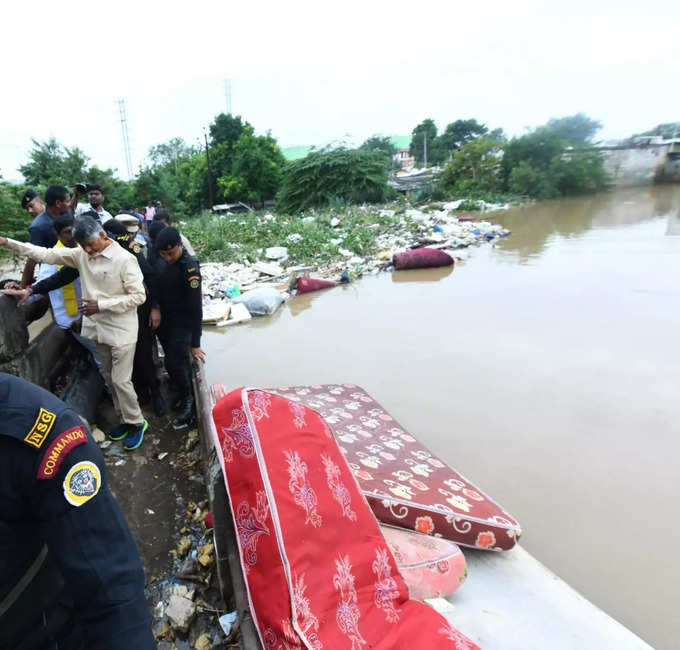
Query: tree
{"x":49,"y":163}
{"x":666,"y":131}
{"x":576,"y":129}
{"x":555,"y":160}
{"x":461,"y":132}
{"x":426,"y":131}
{"x":227,"y":128}
{"x":476,"y":166}
{"x":14,"y":219}
{"x":170,"y":153}
{"x":256,"y":169}
{"x":321,"y":177}
{"x":379,"y":143}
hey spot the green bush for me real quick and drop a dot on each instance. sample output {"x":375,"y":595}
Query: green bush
{"x":350,"y":175}
{"x":14,"y":220}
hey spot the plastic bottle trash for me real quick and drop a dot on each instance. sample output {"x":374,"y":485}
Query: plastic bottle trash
{"x":438,"y":228}
{"x":262,"y":301}
{"x":476,"y":231}
{"x":233,"y":292}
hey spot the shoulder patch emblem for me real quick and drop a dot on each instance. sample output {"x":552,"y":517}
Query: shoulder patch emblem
{"x":82,"y":482}
{"x":41,"y":428}
{"x":194,"y":281}
{"x":136,"y":249}
{"x":58,"y":450}
{"x":193,"y":268}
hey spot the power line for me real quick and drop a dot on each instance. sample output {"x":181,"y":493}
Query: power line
{"x":126,"y":137}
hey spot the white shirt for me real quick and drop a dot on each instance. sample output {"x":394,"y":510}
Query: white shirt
{"x":104,"y":216}
{"x":112,"y":278}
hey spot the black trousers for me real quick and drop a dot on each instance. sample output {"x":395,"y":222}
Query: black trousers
{"x":144,"y":374}
{"x":176,"y":342}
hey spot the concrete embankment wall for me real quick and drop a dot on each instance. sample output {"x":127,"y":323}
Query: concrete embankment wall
{"x":635,"y":166}
{"x":641,"y":165}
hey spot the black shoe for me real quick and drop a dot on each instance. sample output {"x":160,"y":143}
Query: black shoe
{"x":159,"y":406}
{"x":185,"y":415}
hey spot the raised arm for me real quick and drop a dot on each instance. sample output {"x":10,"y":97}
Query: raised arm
{"x":67,"y":256}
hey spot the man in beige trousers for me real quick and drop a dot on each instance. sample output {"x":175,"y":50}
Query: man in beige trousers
{"x":112,"y":288}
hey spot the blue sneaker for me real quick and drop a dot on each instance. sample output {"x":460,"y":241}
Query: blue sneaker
{"x":119,"y":432}
{"x":135,"y":436}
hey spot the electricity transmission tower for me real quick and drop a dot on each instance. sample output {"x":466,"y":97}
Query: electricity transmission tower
{"x":126,"y":137}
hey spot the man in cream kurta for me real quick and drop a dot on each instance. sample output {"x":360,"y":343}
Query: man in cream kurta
{"x":112,"y":288}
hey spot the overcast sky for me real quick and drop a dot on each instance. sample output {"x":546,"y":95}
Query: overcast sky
{"x":312,"y":72}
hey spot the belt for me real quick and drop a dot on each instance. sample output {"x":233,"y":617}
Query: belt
{"x":27,"y":610}
{"x":25,"y":580}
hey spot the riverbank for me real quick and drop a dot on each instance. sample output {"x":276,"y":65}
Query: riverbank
{"x":243,"y":251}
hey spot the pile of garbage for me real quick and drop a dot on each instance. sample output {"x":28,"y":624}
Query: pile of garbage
{"x":235,"y":292}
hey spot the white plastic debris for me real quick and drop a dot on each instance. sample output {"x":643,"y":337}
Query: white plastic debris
{"x":262,"y":301}
{"x":239,"y":314}
{"x":227,"y":622}
{"x":267,"y":269}
{"x":277,"y":253}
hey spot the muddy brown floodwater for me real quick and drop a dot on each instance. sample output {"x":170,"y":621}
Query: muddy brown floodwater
{"x":545,"y":369}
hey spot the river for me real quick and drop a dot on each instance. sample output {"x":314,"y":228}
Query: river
{"x":544,"y":368}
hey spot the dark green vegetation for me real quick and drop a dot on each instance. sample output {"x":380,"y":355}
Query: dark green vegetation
{"x":552,"y":160}
{"x":324,"y":177}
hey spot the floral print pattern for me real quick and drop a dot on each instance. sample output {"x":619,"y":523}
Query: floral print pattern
{"x":293,"y":582}
{"x":303,"y":493}
{"x":338,"y":490}
{"x":237,"y":437}
{"x":259,"y":404}
{"x":347,"y":614}
{"x":250,"y":524}
{"x":386,"y":588}
{"x":377,"y":449}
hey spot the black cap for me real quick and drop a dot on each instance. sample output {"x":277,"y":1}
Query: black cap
{"x":167,"y":238}
{"x":28,"y":196}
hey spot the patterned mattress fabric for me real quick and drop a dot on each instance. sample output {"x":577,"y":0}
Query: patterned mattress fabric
{"x":318,"y":572}
{"x":404,"y":483}
{"x":432,"y":567}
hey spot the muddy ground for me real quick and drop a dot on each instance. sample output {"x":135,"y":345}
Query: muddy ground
{"x":160,"y":488}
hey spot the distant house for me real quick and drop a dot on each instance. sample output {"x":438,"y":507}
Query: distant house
{"x":403,"y":156}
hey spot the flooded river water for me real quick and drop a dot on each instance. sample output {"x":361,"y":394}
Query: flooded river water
{"x":545,"y":369}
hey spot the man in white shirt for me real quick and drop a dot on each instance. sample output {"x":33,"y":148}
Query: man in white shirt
{"x":95,"y":196}
{"x":112,"y":288}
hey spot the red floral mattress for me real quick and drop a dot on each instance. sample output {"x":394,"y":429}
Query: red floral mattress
{"x":319,"y":573}
{"x":405,"y":484}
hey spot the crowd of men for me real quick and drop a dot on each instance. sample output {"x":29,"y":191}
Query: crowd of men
{"x":118,"y":285}
{"x":70,"y":574}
